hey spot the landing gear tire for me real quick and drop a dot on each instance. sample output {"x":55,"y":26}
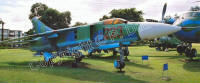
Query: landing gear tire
{"x":99,"y":51}
{"x":194,"y":52}
{"x":163,"y":47}
{"x":77,"y":60}
{"x":158,"y":49}
{"x":105,"y":51}
{"x":90,"y":54}
{"x":179,"y":48}
{"x":187,"y":52}
{"x":49,"y":63}
{"x":190,"y":53}
{"x":119,"y":65}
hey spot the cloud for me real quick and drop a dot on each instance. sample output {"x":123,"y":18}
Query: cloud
{"x":15,"y":12}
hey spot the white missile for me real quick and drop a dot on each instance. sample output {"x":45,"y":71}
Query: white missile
{"x":148,"y":30}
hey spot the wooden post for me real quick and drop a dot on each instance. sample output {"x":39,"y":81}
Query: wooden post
{"x":2,"y":32}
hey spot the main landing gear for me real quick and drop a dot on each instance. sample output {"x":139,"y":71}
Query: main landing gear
{"x":188,"y":50}
{"x":120,"y":64}
{"x":48,"y":56}
{"x":78,"y":58}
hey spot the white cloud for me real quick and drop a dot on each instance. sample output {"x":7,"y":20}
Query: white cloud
{"x":15,"y":12}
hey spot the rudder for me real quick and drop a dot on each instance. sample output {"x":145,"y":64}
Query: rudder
{"x":39,"y":27}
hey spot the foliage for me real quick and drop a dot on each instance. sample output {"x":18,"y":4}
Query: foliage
{"x":104,"y":17}
{"x":29,"y":32}
{"x":51,"y":17}
{"x":79,"y":24}
{"x":130,"y":14}
{"x":195,"y":8}
{"x":38,"y":9}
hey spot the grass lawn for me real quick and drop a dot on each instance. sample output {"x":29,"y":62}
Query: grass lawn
{"x":14,"y":68}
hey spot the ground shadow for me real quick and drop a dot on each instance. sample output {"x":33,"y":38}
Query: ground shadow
{"x":82,"y":74}
{"x":169,"y":57}
{"x":111,"y":59}
{"x":139,"y":65}
{"x":192,"y":65}
{"x":62,"y":63}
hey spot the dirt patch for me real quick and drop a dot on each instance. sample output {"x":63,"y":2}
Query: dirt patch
{"x":189,"y":60}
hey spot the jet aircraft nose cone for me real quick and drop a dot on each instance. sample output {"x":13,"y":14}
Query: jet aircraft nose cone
{"x":149,"y":31}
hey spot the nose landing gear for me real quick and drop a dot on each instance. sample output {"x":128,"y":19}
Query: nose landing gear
{"x":188,"y":50}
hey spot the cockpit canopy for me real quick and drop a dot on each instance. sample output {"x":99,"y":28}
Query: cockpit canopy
{"x":192,"y":14}
{"x":114,"y":21}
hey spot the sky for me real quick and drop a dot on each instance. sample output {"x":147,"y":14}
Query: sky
{"x":15,"y":13}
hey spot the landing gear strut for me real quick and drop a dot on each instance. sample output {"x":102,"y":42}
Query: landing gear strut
{"x":78,"y":58}
{"x":126,"y":53}
{"x":120,"y":64}
{"x":114,"y":52}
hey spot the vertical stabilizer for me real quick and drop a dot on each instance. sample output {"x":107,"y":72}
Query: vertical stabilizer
{"x":39,"y":27}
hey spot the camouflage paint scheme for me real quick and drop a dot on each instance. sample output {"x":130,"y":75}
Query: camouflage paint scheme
{"x":110,"y":33}
{"x":98,"y":34}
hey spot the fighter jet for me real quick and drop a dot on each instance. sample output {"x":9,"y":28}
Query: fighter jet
{"x":69,"y":41}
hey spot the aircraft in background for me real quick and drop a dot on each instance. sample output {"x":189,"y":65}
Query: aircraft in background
{"x":190,"y":23}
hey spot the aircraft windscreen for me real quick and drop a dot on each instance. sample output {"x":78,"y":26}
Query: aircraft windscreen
{"x":114,"y":21}
{"x":192,"y":14}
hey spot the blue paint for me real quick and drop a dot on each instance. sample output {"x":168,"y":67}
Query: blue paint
{"x":70,"y":36}
{"x":53,"y":35}
{"x":126,"y":43}
{"x":133,"y":36}
{"x":47,"y":56}
{"x":145,"y":57}
{"x":165,"y":67}
{"x":170,"y":21}
{"x":189,"y":36}
{"x":98,"y":36}
{"x":39,"y":26}
{"x":188,"y":21}
{"x":116,"y":65}
{"x":108,"y":46}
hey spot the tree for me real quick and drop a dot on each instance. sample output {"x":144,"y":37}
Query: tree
{"x":104,"y":17}
{"x":30,"y":32}
{"x":51,"y":17}
{"x":79,"y":24}
{"x":195,"y":8}
{"x":130,"y":14}
{"x":37,"y":9}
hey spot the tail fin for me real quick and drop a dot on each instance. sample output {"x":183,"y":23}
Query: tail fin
{"x":39,"y":27}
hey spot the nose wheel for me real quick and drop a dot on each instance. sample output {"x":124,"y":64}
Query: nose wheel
{"x":119,"y":65}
